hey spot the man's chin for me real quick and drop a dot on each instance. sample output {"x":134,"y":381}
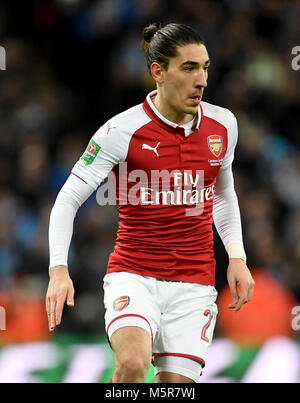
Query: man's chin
{"x":192,"y":109}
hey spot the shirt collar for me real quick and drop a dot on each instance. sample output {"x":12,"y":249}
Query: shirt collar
{"x":154,"y":114}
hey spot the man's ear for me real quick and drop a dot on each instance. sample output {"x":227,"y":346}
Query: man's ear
{"x":157,"y":72}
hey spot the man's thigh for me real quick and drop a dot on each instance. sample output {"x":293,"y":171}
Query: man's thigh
{"x":130,"y":302}
{"x":131,"y":342}
{"x":186,"y":331}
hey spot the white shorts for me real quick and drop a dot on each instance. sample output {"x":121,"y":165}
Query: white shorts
{"x":180,"y":318}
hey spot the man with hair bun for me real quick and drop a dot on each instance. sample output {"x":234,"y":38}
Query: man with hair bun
{"x":159,"y":289}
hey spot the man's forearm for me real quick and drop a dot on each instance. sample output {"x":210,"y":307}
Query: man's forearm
{"x":72,"y":195}
{"x":226,"y":215}
{"x":228,"y":224}
{"x":60,"y":233}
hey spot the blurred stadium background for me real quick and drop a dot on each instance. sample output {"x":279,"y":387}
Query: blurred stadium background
{"x":70,"y":66}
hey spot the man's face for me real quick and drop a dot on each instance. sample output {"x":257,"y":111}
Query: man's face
{"x":184,"y":81}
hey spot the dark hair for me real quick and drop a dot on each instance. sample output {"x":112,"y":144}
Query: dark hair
{"x":159,"y":43}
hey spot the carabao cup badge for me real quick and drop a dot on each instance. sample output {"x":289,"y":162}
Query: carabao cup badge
{"x":90,"y":153}
{"x":121,"y":303}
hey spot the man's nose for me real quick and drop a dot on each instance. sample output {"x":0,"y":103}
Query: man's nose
{"x":201,"y":79}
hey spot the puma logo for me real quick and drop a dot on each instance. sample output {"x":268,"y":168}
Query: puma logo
{"x":109,"y":127}
{"x":154,"y":149}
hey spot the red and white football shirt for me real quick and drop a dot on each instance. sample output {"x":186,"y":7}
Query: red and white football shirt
{"x":158,"y":234}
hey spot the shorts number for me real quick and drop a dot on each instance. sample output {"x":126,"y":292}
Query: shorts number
{"x":206,"y":326}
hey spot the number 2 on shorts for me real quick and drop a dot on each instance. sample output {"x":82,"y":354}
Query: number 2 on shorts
{"x":206,"y":326}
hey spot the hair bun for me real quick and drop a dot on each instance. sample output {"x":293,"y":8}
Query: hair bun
{"x":150,"y":31}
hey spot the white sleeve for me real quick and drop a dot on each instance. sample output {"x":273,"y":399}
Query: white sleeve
{"x":226,"y":212}
{"x":71,"y":196}
{"x":232,"y":130}
{"x":107,"y":148}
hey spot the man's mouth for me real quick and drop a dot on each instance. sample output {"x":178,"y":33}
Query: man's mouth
{"x":195,"y":99}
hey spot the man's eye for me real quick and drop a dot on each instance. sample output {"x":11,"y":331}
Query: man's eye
{"x":188,"y":68}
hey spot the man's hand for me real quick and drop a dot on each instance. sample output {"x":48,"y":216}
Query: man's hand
{"x":238,"y":274}
{"x":60,"y":290}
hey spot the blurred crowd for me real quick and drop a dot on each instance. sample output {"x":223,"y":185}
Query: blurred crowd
{"x":73,"y":64}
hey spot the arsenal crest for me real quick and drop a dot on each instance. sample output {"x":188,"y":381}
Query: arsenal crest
{"x":215,"y":144}
{"x":121,"y":303}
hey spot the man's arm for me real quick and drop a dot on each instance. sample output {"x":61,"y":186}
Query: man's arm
{"x":101,"y":155}
{"x":60,"y":289}
{"x":227,"y":220}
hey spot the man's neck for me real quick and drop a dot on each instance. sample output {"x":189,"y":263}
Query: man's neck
{"x":169,"y":113}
